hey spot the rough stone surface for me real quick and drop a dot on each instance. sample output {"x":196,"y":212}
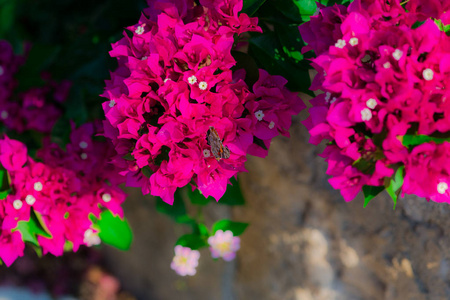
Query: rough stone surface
{"x":304,"y":242}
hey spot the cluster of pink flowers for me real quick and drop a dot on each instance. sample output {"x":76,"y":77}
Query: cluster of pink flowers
{"x":63,"y":189}
{"x":384,"y":68}
{"x":35,"y":109}
{"x":177,"y":114}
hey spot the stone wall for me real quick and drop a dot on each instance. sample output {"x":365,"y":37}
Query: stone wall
{"x":304,"y":242}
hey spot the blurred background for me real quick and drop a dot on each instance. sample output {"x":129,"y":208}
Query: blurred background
{"x":303,"y":243}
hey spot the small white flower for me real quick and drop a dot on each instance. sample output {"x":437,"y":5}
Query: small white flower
{"x":428,"y":74}
{"x":259,"y":115}
{"x":17,"y":204}
{"x":185,"y":261}
{"x":30,"y":200}
{"x":206,"y":153}
{"x":442,"y":187}
{"x":387,"y":65}
{"x":167,"y":79}
{"x":271,"y":124}
{"x":340,"y":44}
{"x":38,"y":186}
{"x":397,"y":55}
{"x":224,"y":244}
{"x":139,"y":30}
{"x":112,"y":103}
{"x":353,"y":41}
{"x":2,"y":71}
{"x":144,"y":57}
{"x":83,"y":145}
{"x":91,"y":238}
{"x":203,"y":85}
{"x":4,"y":115}
{"x":333,"y":100}
{"x":106,"y":197}
{"x":192,"y":79}
{"x":366,"y":114}
{"x":83,"y":156}
{"x":371,"y":103}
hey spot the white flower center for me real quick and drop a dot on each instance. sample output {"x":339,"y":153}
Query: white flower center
{"x":4,"y":115}
{"x":353,"y":41}
{"x":397,"y":55}
{"x":29,"y":199}
{"x":271,"y":124}
{"x":206,"y":153}
{"x":38,"y":186}
{"x":371,"y":103}
{"x":387,"y":65}
{"x":333,"y":100}
{"x":259,"y":115}
{"x":192,"y":79}
{"x":83,"y":145}
{"x":366,"y":114}
{"x":139,"y":30}
{"x":442,"y":187}
{"x":327,"y":96}
{"x":17,"y":204}
{"x":106,"y":197}
{"x":83,"y":156}
{"x":112,"y":103}
{"x":203,"y":85}
{"x":428,"y":74}
{"x":144,"y":57}
{"x":340,"y":44}
{"x":167,"y":79}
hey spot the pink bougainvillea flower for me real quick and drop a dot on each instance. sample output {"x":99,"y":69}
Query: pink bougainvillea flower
{"x":383,"y":79}
{"x":174,"y":86}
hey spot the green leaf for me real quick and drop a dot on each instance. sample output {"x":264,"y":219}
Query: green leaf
{"x":176,"y":211}
{"x":30,"y":229}
{"x":269,"y":54}
{"x":197,"y":197}
{"x":236,"y":227}
{"x":7,"y":15}
{"x":306,"y":8}
{"x":233,"y":194}
{"x":289,"y":9}
{"x":203,"y":230}
{"x":192,"y":241}
{"x":409,"y":140}
{"x":114,"y":231}
{"x":395,"y":185}
{"x":291,"y":42}
{"x":370,"y":192}
{"x":251,"y":6}
{"x":41,"y":221}
{"x":4,"y":184}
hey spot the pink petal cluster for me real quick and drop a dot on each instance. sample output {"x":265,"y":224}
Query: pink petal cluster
{"x":63,"y":188}
{"x":185,"y":261}
{"x":35,"y":109}
{"x":382,"y":77}
{"x":174,"y":82}
{"x":224,"y":244}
